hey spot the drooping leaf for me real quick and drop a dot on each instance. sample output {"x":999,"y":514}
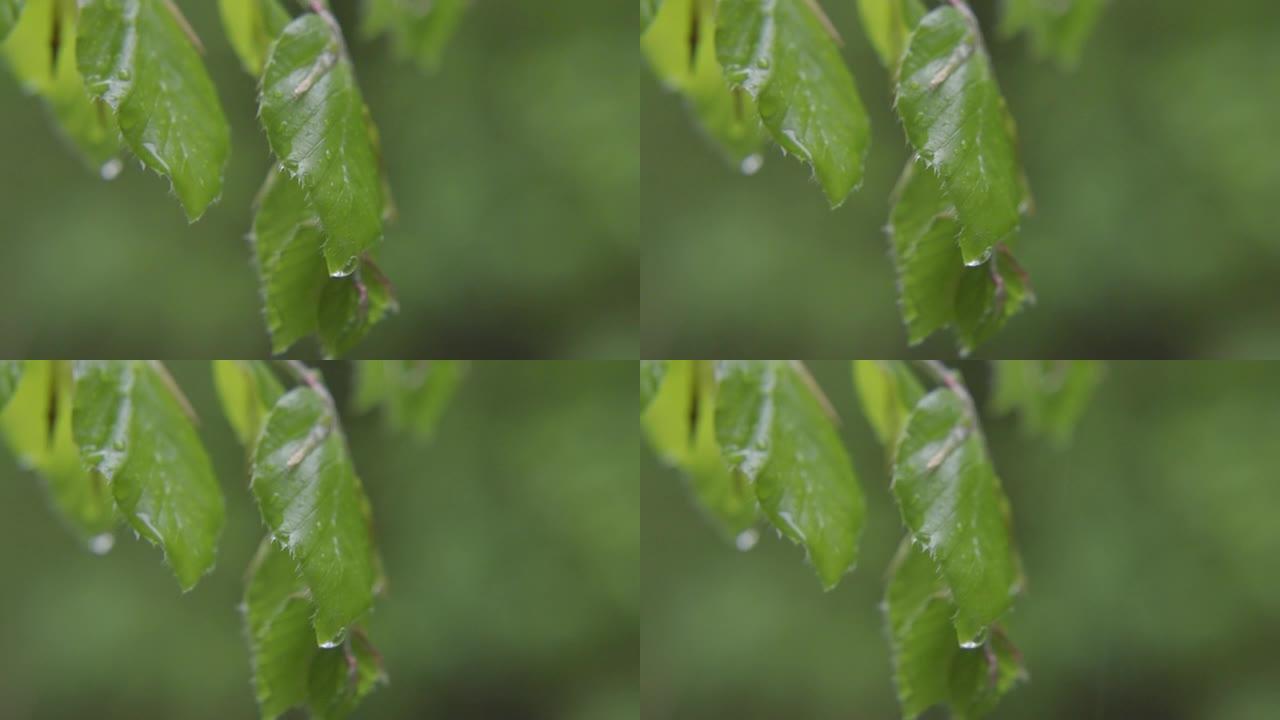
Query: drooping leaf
{"x":9,"y":12}
{"x":248,"y":390}
{"x":419,"y":31}
{"x":887,"y":23}
{"x":314,"y":506}
{"x":952,"y":503}
{"x":955,"y":117}
{"x":1048,"y":395}
{"x":37,"y":425}
{"x":773,"y":428}
{"x":287,"y":669}
{"x":987,"y":296}
{"x":680,"y":45}
{"x":137,"y":57}
{"x":134,"y":428}
{"x":350,"y":306}
{"x":1058,"y":28}
{"x":314,"y":119}
{"x":10,"y":374}
{"x":782,"y":54}
{"x":930,"y":668}
{"x":251,"y":26}
{"x":888,"y":391}
{"x":413,"y":394}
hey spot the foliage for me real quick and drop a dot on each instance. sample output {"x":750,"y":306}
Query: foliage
{"x":777,"y":447}
{"x":784,"y":55}
{"x":128,"y":74}
{"x":116,"y":441}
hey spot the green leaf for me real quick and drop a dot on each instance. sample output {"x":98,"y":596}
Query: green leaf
{"x":134,"y":427}
{"x":774,"y":429}
{"x":412,"y":393}
{"x":929,"y":667}
{"x":649,"y":9}
{"x":37,"y":425}
{"x":248,"y":390}
{"x":1049,"y":395}
{"x":781,"y":53}
{"x":136,"y":56}
{"x":297,"y":290}
{"x":668,"y":419}
{"x":680,"y":44}
{"x":9,"y":12}
{"x":956,"y":119}
{"x":887,"y":24}
{"x":1058,"y":28}
{"x":952,"y":503}
{"x":287,"y":665}
{"x":652,"y":373}
{"x":315,"y":122}
{"x":251,"y":26}
{"x":935,"y":288}
{"x":314,"y":506}
{"x":419,"y":31}
{"x":888,"y":391}
{"x":10,"y":375}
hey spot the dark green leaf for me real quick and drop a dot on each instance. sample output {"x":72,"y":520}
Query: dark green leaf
{"x":1049,"y":395}
{"x":680,"y":45}
{"x":929,"y":667}
{"x":956,"y":119}
{"x":1058,"y":28}
{"x":987,"y":296}
{"x":782,"y":54}
{"x":248,"y":390}
{"x":887,"y":24}
{"x":134,"y":428}
{"x":419,"y":31}
{"x":37,"y":425}
{"x":251,"y":26}
{"x":349,"y":308}
{"x":314,"y":506}
{"x":10,"y":374}
{"x":137,"y":57}
{"x":952,"y":503}
{"x":776,"y":431}
{"x":315,"y":122}
{"x":888,"y":391}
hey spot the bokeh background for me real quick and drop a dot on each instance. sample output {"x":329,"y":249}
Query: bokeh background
{"x":1149,"y":546}
{"x":1155,"y":170}
{"x":511,"y":540}
{"x":515,"y":169}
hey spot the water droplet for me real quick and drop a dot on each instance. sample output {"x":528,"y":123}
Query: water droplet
{"x":102,"y":544}
{"x":985,"y":256}
{"x":335,"y":641}
{"x":751,"y":163}
{"x":347,"y":268}
{"x":970,"y":644}
{"x":111,"y":169}
{"x":747,"y":539}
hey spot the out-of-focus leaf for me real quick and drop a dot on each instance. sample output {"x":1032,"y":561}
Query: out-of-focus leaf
{"x":412,"y":393}
{"x":887,"y":23}
{"x":1048,"y":395}
{"x":137,"y":57}
{"x":952,"y":503}
{"x":314,"y":506}
{"x":314,"y":119}
{"x":652,"y":373}
{"x":419,"y":31}
{"x":134,"y":428}
{"x":251,"y":26}
{"x":288,"y":670}
{"x":782,"y":54}
{"x":1058,"y":28}
{"x":888,"y":391}
{"x":668,"y":419}
{"x":773,"y":428}
{"x":956,"y":119}
{"x":9,"y":12}
{"x":680,"y":45}
{"x":10,"y":374}
{"x":248,"y":390}
{"x":37,"y":425}
{"x":930,"y":668}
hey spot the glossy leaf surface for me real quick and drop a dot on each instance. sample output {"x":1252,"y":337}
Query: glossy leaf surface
{"x":135,"y":429}
{"x":137,"y":57}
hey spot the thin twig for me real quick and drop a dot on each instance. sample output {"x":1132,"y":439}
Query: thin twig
{"x":172,"y":386}
{"x":827,"y":25}
{"x":803,"y":371}
{"x":186,"y":26}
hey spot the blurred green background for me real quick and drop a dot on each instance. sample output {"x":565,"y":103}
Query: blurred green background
{"x":1149,"y":545}
{"x":515,"y":169}
{"x":511,"y":541}
{"x":1154,"y":166}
